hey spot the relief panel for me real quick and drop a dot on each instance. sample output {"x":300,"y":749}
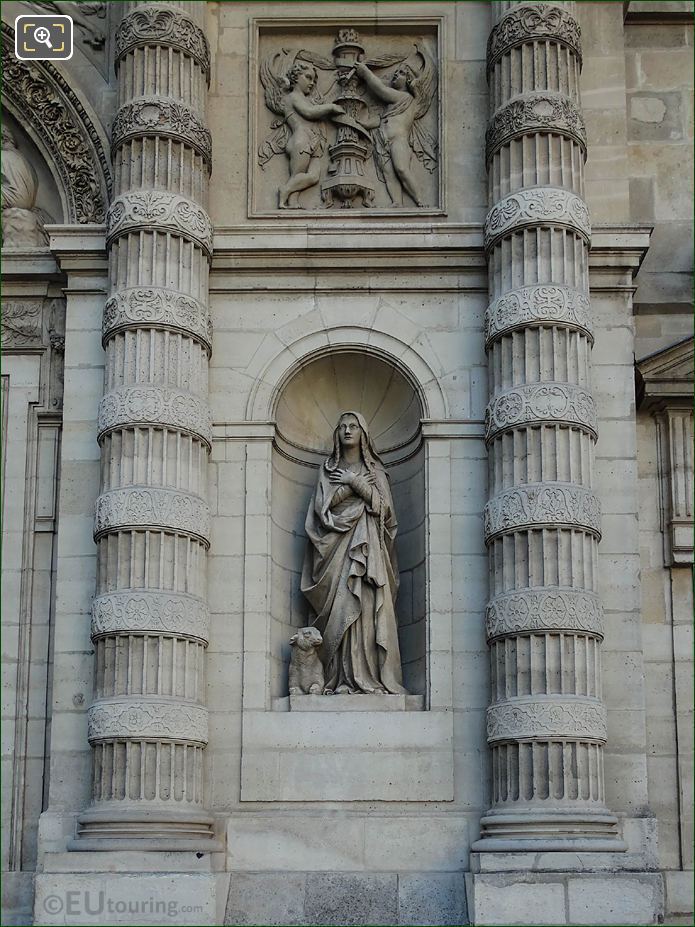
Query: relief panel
{"x":344,"y":117}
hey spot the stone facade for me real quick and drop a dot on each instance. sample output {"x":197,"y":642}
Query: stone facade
{"x":224,"y":224}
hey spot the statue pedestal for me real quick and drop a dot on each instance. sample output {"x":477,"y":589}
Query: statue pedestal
{"x":338,"y":755}
{"x":352,"y":703}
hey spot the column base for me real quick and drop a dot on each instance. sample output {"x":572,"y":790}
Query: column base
{"x":550,"y":831}
{"x":117,"y":828}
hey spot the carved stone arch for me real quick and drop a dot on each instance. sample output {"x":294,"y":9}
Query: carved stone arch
{"x":405,"y":358}
{"x":60,"y":124}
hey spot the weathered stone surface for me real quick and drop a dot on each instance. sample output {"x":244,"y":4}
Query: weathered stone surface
{"x":434,"y":898}
{"x":616,"y":899}
{"x":356,"y":899}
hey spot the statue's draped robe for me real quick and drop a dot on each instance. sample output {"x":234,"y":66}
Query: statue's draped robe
{"x":350,"y":578}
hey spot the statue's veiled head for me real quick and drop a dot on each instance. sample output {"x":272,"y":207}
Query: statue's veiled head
{"x":352,"y":429}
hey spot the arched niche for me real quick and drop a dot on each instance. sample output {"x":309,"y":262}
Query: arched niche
{"x":308,"y":405}
{"x":65,"y":131}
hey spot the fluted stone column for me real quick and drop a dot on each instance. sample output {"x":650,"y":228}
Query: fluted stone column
{"x":148,"y":723}
{"x":546,"y":725}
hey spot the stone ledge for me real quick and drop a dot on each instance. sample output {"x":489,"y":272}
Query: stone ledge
{"x":355,"y":702}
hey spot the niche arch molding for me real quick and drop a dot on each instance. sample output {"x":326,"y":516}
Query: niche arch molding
{"x":65,"y":130}
{"x":283,"y":366}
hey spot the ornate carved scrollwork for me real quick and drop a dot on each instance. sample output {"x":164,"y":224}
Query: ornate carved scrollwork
{"x":543,"y":505}
{"x":532,"y":113}
{"x":555,"y":717}
{"x":543,"y":304}
{"x":537,"y":207}
{"x":541,"y":404}
{"x":161,"y":117}
{"x":143,"y":611}
{"x":157,"y":25}
{"x":152,"y":405}
{"x":155,"y":509}
{"x":530,"y":22}
{"x":147,"y":719}
{"x":159,"y":308}
{"x":159,"y":211}
{"x":547,"y":609}
{"x":40,"y":97}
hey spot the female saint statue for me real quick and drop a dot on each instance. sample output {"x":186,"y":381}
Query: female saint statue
{"x":350,"y":574}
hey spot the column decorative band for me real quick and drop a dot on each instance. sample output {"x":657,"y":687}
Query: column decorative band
{"x":538,"y":111}
{"x":542,"y":304}
{"x":541,"y":404}
{"x":159,"y":308}
{"x":543,"y":505}
{"x":536,"y":207}
{"x":141,"y":507}
{"x":159,"y":212}
{"x":157,"y":25}
{"x":152,"y":405}
{"x":552,"y":608}
{"x":161,"y":117}
{"x":147,"y":719}
{"x":141,"y":611}
{"x":550,"y":718}
{"x":531,"y":22}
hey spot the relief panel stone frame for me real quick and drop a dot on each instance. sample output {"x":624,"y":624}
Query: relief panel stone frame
{"x":262,"y":186}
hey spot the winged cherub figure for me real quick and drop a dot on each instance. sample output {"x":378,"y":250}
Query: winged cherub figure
{"x":295,"y":98}
{"x":399,"y":134}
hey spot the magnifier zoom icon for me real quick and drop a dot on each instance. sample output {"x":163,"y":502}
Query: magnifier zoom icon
{"x":43,"y":35}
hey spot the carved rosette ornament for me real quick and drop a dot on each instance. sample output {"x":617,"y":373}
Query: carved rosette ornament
{"x":147,"y":719}
{"x":156,"y":613}
{"x":546,"y":727}
{"x":549,"y":608}
{"x":148,"y":725}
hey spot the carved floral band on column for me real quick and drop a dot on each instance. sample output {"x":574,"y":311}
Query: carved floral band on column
{"x":536,"y":207}
{"x":550,"y":608}
{"x":543,"y":505}
{"x":542,"y":304}
{"x":152,"y":405}
{"x":143,"y":718}
{"x":144,"y":507}
{"x":144,"y":611}
{"x":137,"y":307}
{"x":555,"y":716}
{"x":522,"y":24}
{"x":157,"y":25}
{"x":160,"y":117}
{"x":539,"y":111}
{"x":159,"y":212}
{"x":541,"y":404}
